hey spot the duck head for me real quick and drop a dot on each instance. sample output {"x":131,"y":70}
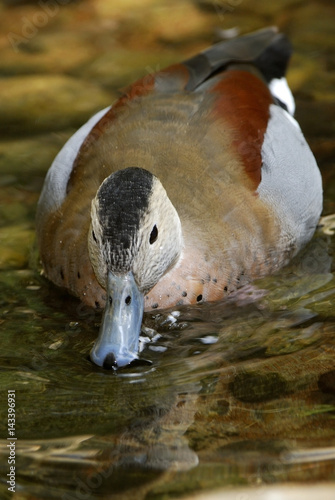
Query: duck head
{"x":134,"y":239}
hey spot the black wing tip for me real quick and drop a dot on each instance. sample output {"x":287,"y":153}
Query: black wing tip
{"x":273,"y":61}
{"x":267,"y":48}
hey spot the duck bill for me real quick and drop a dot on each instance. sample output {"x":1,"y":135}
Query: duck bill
{"x":117,"y":343}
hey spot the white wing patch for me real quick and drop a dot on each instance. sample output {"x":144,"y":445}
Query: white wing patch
{"x":279,"y":88}
{"x":54,"y":189}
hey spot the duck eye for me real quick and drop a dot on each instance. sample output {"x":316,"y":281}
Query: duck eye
{"x":153,"y":235}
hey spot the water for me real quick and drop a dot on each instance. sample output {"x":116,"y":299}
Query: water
{"x":235,"y":393}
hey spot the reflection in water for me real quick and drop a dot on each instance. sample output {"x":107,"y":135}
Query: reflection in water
{"x":240,"y":392}
{"x":236,"y":393}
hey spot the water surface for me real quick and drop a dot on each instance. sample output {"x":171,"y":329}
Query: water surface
{"x":234,"y":393}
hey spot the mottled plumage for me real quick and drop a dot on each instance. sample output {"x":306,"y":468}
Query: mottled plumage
{"x":196,"y":181}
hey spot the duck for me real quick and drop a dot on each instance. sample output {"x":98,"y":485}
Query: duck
{"x":195,"y":182}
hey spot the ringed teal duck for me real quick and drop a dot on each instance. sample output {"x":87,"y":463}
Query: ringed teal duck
{"x":197,"y":180}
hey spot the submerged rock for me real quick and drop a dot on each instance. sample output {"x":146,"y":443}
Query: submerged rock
{"x":16,"y":242}
{"x":30,"y":155}
{"x":253,"y":387}
{"x":39,"y":103}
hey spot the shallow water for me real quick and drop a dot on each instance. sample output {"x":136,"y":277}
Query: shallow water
{"x":234,"y":393}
